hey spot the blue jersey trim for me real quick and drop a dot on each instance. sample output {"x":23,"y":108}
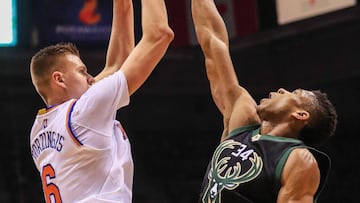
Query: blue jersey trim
{"x":70,"y":130}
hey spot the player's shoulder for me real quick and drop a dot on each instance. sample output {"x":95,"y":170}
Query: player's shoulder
{"x":302,"y":157}
{"x":300,"y":177}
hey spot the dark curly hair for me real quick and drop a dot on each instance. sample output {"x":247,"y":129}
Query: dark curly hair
{"x":322,"y":122}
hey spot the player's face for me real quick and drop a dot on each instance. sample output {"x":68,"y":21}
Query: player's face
{"x":280,"y":104}
{"x":76,"y":78}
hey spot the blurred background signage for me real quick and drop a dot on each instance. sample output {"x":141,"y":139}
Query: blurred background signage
{"x":293,"y":10}
{"x":79,"y":21}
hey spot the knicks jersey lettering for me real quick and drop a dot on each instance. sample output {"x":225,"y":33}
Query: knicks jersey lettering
{"x":46,"y":140}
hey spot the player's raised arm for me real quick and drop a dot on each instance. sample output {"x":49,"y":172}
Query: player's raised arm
{"x":122,"y":38}
{"x":228,"y":96}
{"x":213,"y":39}
{"x":156,"y":38}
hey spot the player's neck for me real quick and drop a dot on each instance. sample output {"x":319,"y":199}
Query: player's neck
{"x":278,"y":129}
{"x":51,"y":102}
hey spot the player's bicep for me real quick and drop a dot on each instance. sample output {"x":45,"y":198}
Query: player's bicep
{"x":219,"y":53}
{"x":300,"y":178}
{"x":220,"y":73}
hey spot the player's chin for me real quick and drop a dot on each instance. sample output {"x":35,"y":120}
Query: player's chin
{"x":262,"y":101}
{"x":261,"y":105}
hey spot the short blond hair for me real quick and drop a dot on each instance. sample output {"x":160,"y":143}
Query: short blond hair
{"x":44,"y":62}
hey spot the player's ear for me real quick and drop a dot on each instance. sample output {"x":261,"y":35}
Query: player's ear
{"x":58,"y":78}
{"x":301,"y":115}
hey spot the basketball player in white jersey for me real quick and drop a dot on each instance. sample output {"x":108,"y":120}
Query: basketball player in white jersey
{"x":80,"y":150}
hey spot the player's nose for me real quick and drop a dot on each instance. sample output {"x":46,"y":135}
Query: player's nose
{"x":281,"y":91}
{"x":90,"y":79}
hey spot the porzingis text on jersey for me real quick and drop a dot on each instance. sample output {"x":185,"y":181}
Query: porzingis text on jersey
{"x":45,"y":140}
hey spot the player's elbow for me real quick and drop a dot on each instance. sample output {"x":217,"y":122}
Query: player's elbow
{"x":204,"y":37}
{"x":160,"y":34}
{"x":167,"y":34}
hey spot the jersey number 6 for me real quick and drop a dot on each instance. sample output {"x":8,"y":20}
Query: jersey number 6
{"x":50,"y":189}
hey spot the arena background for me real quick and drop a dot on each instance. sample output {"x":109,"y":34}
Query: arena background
{"x":172,"y":122}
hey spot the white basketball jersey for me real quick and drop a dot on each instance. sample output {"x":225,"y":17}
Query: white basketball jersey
{"x":81,"y":151}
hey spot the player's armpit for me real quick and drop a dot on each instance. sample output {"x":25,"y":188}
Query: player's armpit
{"x":242,"y":110}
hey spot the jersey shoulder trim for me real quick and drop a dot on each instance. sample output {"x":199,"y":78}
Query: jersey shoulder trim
{"x":244,"y":129}
{"x":68,"y":124}
{"x":324,"y":163}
